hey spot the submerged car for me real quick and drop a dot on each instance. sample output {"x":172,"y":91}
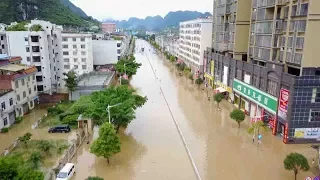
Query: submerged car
{"x":60,"y":129}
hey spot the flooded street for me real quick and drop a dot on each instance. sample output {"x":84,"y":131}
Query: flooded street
{"x":152,"y":147}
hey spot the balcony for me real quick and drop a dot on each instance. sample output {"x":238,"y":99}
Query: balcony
{"x":264,"y":27}
{"x":222,"y":46}
{"x":265,"y":3}
{"x":35,"y":49}
{"x":230,"y":47}
{"x":34,"y":38}
{"x":261,"y":53}
{"x":264,"y":14}
{"x":278,"y":26}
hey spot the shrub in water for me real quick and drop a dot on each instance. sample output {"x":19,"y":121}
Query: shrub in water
{"x":4,"y":130}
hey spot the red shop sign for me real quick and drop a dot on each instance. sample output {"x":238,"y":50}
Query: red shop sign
{"x":283,"y":103}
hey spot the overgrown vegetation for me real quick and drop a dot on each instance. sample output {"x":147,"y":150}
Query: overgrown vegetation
{"x":4,"y":130}
{"x":71,"y":81}
{"x":18,"y":120}
{"x":18,"y":27}
{"x":36,"y":27}
{"x":56,"y":115}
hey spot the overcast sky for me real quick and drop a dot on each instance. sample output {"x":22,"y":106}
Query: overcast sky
{"x":124,"y":9}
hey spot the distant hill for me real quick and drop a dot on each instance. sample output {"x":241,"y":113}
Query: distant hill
{"x":61,"y":12}
{"x":151,"y":23}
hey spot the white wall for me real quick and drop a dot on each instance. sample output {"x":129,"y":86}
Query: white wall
{"x":104,"y":52}
{"x":9,"y":109}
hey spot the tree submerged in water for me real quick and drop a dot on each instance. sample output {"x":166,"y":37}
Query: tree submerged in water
{"x":107,"y":144}
{"x":296,"y":162}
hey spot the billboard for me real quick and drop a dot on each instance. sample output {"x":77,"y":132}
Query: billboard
{"x":283,"y":103}
{"x":307,"y":133}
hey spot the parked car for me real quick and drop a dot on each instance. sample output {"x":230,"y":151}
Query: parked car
{"x":66,"y":172}
{"x":60,"y":128}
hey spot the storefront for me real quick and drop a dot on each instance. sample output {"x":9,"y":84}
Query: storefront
{"x":208,"y":79}
{"x":258,"y":104}
{"x":227,"y":90}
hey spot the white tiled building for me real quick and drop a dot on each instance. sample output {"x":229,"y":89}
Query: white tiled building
{"x":77,"y":55}
{"x":7,"y":104}
{"x":195,"y":37}
{"x":41,"y":49}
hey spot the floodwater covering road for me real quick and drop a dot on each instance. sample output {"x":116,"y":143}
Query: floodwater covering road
{"x":153,"y":149}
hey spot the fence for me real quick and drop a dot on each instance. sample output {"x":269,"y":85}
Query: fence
{"x":14,"y":144}
{"x":81,"y":136}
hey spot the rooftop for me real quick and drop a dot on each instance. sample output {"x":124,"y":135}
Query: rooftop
{"x":12,"y":67}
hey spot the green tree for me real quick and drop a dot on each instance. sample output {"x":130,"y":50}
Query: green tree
{"x":107,"y":144}
{"x":71,"y":81}
{"x":9,"y":166}
{"x":199,"y":81}
{"x":25,"y":138}
{"x":17,"y":27}
{"x":45,"y":146}
{"x":35,"y":160}
{"x":94,"y":178}
{"x":36,"y":27}
{"x":29,"y":173}
{"x":218,"y":98}
{"x":296,"y":162}
{"x":172,"y":59}
{"x":238,"y":116}
{"x":191,"y":76}
{"x":127,"y":65}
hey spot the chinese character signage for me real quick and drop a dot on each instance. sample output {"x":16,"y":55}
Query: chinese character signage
{"x":263,"y":99}
{"x":283,"y":103}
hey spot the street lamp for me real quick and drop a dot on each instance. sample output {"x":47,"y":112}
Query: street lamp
{"x":108,"y":110}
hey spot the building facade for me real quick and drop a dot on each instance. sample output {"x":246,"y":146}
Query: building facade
{"x":279,"y":81}
{"x":108,"y":27}
{"x":7,"y":111}
{"x":3,"y":43}
{"x":21,"y":79}
{"x":39,"y":48}
{"x":195,"y":36}
{"x":77,"y":55}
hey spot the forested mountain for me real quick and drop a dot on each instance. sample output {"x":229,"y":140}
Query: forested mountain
{"x":151,"y":23}
{"x":61,"y":12}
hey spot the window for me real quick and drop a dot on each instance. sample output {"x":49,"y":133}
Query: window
{"x":75,"y":66}
{"x":83,"y":59}
{"x":33,"y":77}
{"x":118,"y":44}
{"x":74,"y":46}
{"x":17,"y":84}
{"x":83,"y":39}
{"x":40,"y":88}
{"x":11,"y":101}
{"x":272,"y":87}
{"x":24,"y":94}
{"x":34,"y":38}
{"x":238,"y":75}
{"x":35,"y":88}
{"x":65,"y":53}
{"x":65,"y":46}
{"x":75,"y":53}
{"x":83,"y":46}
{"x":27,"y":49}
{"x":22,"y":82}
{"x":30,"y":91}
{"x":84,"y":66}
{"x":64,"y":39}
{"x":36,"y":58}
{"x":66,"y":59}
{"x":28,"y":78}
{"x":74,"y":39}
{"x":5,"y":121}
{"x":1,"y":37}
{"x":118,"y":51}
{"x":3,"y":105}
{"x":83,"y":53}
{"x":18,"y":97}
{"x":39,"y":79}
{"x":38,"y":68}
{"x":26,"y":39}
{"x":255,"y":80}
{"x":315,"y":95}
{"x":35,"y":49}
{"x":28,"y":59}
{"x":66,"y":66}
{"x":75,"y":59}
{"x":314,"y":115}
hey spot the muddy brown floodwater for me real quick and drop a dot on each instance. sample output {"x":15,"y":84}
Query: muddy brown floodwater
{"x":152,"y":148}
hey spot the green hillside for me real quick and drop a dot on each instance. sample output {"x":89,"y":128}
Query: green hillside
{"x":49,"y":10}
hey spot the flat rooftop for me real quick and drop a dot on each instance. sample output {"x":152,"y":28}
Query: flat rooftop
{"x":95,"y":79}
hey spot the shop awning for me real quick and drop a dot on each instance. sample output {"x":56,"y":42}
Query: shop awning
{"x":220,"y":90}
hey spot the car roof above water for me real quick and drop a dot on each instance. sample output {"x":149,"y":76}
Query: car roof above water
{"x":61,"y":126}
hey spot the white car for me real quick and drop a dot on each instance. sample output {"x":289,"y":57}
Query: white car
{"x":66,"y":172}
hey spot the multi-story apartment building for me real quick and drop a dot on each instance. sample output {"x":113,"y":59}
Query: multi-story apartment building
{"x":77,"y":55}
{"x":108,"y":27}
{"x":195,"y":36}
{"x":173,"y":47}
{"x":21,"y":79}
{"x":39,"y":48}
{"x":279,"y":82}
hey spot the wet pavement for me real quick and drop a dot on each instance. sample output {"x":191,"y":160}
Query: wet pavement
{"x":152,"y":147}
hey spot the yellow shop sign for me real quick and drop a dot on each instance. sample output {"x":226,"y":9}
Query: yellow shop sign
{"x":227,"y":88}
{"x":209,"y":76}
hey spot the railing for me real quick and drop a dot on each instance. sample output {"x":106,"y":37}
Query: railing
{"x":264,"y":27}
{"x":264,"y":40}
{"x":262,"y":53}
{"x":263,"y":3}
